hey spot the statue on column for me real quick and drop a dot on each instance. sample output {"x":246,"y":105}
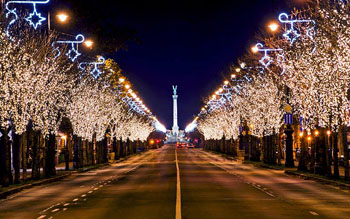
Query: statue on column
{"x":175,"y":89}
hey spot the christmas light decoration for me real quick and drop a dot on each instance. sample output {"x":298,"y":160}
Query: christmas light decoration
{"x":266,"y":60}
{"x":95,"y":72}
{"x":73,"y":52}
{"x":34,"y":19}
{"x":291,"y":33}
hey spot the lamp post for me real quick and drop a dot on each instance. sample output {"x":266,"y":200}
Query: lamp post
{"x":61,"y":17}
{"x":66,"y":151}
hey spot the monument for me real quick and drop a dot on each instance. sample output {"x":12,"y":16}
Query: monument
{"x":175,"y":129}
{"x":175,"y":135}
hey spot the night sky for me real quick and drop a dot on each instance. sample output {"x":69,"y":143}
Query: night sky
{"x":179,"y":43}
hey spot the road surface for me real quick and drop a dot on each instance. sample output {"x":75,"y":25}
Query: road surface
{"x":182,"y":183}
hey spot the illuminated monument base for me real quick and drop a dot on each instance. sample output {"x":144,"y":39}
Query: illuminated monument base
{"x":175,"y":135}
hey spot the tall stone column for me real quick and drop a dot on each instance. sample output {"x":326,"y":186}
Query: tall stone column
{"x":175,"y":124}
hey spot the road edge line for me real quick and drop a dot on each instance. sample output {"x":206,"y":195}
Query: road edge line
{"x":178,"y":189}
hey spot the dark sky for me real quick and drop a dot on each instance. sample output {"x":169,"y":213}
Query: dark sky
{"x":189,"y":44}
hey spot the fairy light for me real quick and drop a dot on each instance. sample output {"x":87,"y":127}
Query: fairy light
{"x":318,"y":80}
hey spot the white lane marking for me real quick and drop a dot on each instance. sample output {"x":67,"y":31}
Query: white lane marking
{"x":64,"y":209}
{"x":313,"y":213}
{"x":249,"y":183}
{"x":83,"y":195}
{"x":41,"y":217}
{"x":55,"y":210}
{"x":90,"y":192}
{"x":74,"y":200}
{"x":66,"y":204}
{"x":178,"y":189}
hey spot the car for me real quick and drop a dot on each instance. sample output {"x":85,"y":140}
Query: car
{"x":190,"y":146}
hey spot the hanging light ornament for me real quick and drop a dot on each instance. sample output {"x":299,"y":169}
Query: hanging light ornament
{"x":267,"y":60}
{"x":73,"y":52}
{"x":291,"y":33}
{"x":95,"y":72}
{"x":34,"y":19}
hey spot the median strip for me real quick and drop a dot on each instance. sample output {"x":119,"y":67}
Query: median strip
{"x":178,"y":189}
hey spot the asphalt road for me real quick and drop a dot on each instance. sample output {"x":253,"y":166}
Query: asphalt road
{"x":145,"y":186}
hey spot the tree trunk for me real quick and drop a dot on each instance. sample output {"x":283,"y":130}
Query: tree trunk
{"x":10,"y":157}
{"x":329,"y":156}
{"x":105,"y":150}
{"x":346,"y":153}
{"x":115,"y":148}
{"x":76,"y":161}
{"x":24,"y":156}
{"x":50,"y":156}
{"x":92,"y":157}
{"x":335,"y":154}
{"x":36,"y":156}
{"x":289,"y":147}
{"x":303,"y":156}
{"x":17,"y":157}
{"x":5,"y":157}
{"x":321,"y":153}
{"x":66,"y":152}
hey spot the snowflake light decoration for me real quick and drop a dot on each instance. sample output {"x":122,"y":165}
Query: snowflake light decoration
{"x":73,"y":52}
{"x":95,"y":72}
{"x":292,"y":34}
{"x":34,"y":19}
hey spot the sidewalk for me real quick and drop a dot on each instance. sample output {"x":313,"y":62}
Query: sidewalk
{"x":305,"y":175}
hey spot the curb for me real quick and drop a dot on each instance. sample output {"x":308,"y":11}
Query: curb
{"x":9,"y":192}
{"x":86,"y":169}
{"x":318,"y":179}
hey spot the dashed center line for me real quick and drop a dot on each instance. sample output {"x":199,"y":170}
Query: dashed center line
{"x":178,"y":189}
{"x":314,"y":213}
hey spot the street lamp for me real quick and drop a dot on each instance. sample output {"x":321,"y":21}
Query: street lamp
{"x":88,"y":43}
{"x":66,"y":151}
{"x":273,"y":26}
{"x":127,"y":86}
{"x":255,"y":49}
{"x":317,"y":132}
{"x":62,"y":17}
{"x":121,"y":80}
